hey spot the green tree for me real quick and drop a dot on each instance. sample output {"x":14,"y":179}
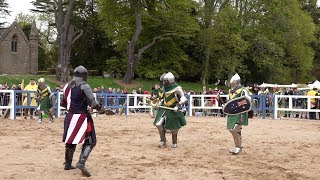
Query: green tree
{"x":67,"y":33}
{"x":311,"y":7}
{"x":135,"y":26}
{"x":291,"y":31}
{"x":93,"y":48}
{"x":228,"y":46}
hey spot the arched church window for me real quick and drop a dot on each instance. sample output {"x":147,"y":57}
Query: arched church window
{"x":14,"y":42}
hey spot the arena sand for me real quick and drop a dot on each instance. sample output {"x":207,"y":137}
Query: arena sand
{"x":127,"y":149}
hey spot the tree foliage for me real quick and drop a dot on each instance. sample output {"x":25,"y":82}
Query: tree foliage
{"x":136,"y":26}
{"x":3,"y":10}
{"x":274,"y":41}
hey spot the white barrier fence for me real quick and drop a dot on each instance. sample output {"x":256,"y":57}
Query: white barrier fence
{"x":205,"y":102}
{"x":139,"y":103}
{"x":9,"y":105}
{"x":289,"y":103}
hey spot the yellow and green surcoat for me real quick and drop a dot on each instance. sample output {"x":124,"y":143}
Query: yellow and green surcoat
{"x":238,"y":118}
{"x":44,"y":95}
{"x":174,"y":119}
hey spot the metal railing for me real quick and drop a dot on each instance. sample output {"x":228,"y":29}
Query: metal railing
{"x":262,"y":105}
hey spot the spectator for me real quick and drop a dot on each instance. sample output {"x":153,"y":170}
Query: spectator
{"x":289,"y":91}
{"x":110,"y":97}
{"x":32,"y":86}
{"x":14,"y":87}
{"x":312,"y":92}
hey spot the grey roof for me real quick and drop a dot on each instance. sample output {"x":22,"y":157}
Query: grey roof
{"x":2,"y":31}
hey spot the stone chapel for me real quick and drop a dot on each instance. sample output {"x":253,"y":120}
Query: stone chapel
{"x":18,"y":54}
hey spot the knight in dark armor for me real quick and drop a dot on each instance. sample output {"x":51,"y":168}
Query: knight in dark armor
{"x":170,"y":118}
{"x":78,"y":123}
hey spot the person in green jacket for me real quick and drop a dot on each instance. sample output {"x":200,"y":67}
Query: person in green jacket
{"x":235,"y":122}
{"x":168,"y":116}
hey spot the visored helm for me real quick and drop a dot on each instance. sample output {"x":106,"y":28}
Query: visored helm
{"x":161,"y":79}
{"x":41,"y":80}
{"x":81,"y":71}
{"x":168,"y":78}
{"x":162,"y":76}
{"x":235,"y":81}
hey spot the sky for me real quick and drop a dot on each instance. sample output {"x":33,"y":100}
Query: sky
{"x":16,"y":7}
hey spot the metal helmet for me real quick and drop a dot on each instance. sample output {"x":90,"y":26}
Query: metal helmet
{"x":169,"y":78}
{"x":235,"y":81}
{"x":162,"y":76}
{"x":41,"y":83}
{"x":81,"y":71}
{"x":161,"y":80}
{"x":41,"y":80}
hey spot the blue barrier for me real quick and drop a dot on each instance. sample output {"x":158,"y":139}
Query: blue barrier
{"x":17,"y":106}
{"x":113,"y":101}
{"x":262,"y":104}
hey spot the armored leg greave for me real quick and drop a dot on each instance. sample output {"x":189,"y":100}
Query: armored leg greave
{"x":50,"y":115}
{"x":86,"y":150}
{"x":174,"y":134}
{"x":236,"y":134}
{"x":68,"y":157}
{"x":162,"y":131}
{"x":40,"y":117}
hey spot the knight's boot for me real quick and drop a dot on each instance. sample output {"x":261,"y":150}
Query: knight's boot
{"x":68,"y":158}
{"x":174,"y":134}
{"x":86,"y":150}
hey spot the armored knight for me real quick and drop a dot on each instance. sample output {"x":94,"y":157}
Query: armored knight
{"x":235,"y":122}
{"x":44,"y":96}
{"x":168,"y":117}
{"x":78,"y":123}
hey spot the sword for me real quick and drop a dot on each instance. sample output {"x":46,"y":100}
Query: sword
{"x":169,"y":108}
{"x":220,"y":99}
{"x":107,"y":112}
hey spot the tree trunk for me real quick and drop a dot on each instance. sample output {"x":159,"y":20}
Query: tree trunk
{"x":206,"y":66}
{"x":132,"y":57}
{"x":65,"y":34}
{"x":208,"y":15}
{"x":130,"y":64}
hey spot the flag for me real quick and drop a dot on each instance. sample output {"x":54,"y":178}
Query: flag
{"x":22,"y":87}
{"x":22,"y":84}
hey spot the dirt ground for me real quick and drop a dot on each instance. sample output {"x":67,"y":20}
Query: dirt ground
{"x":127,"y":149}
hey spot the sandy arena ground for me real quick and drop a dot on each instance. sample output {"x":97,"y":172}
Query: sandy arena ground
{"x":127,"y":149}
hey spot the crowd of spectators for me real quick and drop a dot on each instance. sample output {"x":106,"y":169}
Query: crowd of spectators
{"x":299,"y":103}
{"x":283,"y":102}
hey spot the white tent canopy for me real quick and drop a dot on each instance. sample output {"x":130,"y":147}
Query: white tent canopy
{"x":276,"y":85}
{"x":315,"y":84}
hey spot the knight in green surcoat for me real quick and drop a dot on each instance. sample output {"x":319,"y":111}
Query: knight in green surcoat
{"x":170,"y":118}
{"x":46,"y":100}
{"x":235,"y":122}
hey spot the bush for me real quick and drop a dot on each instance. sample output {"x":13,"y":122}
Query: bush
{"x":93,"y":73}
{"x":42,"y":72}
{"x":52,"y":71}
